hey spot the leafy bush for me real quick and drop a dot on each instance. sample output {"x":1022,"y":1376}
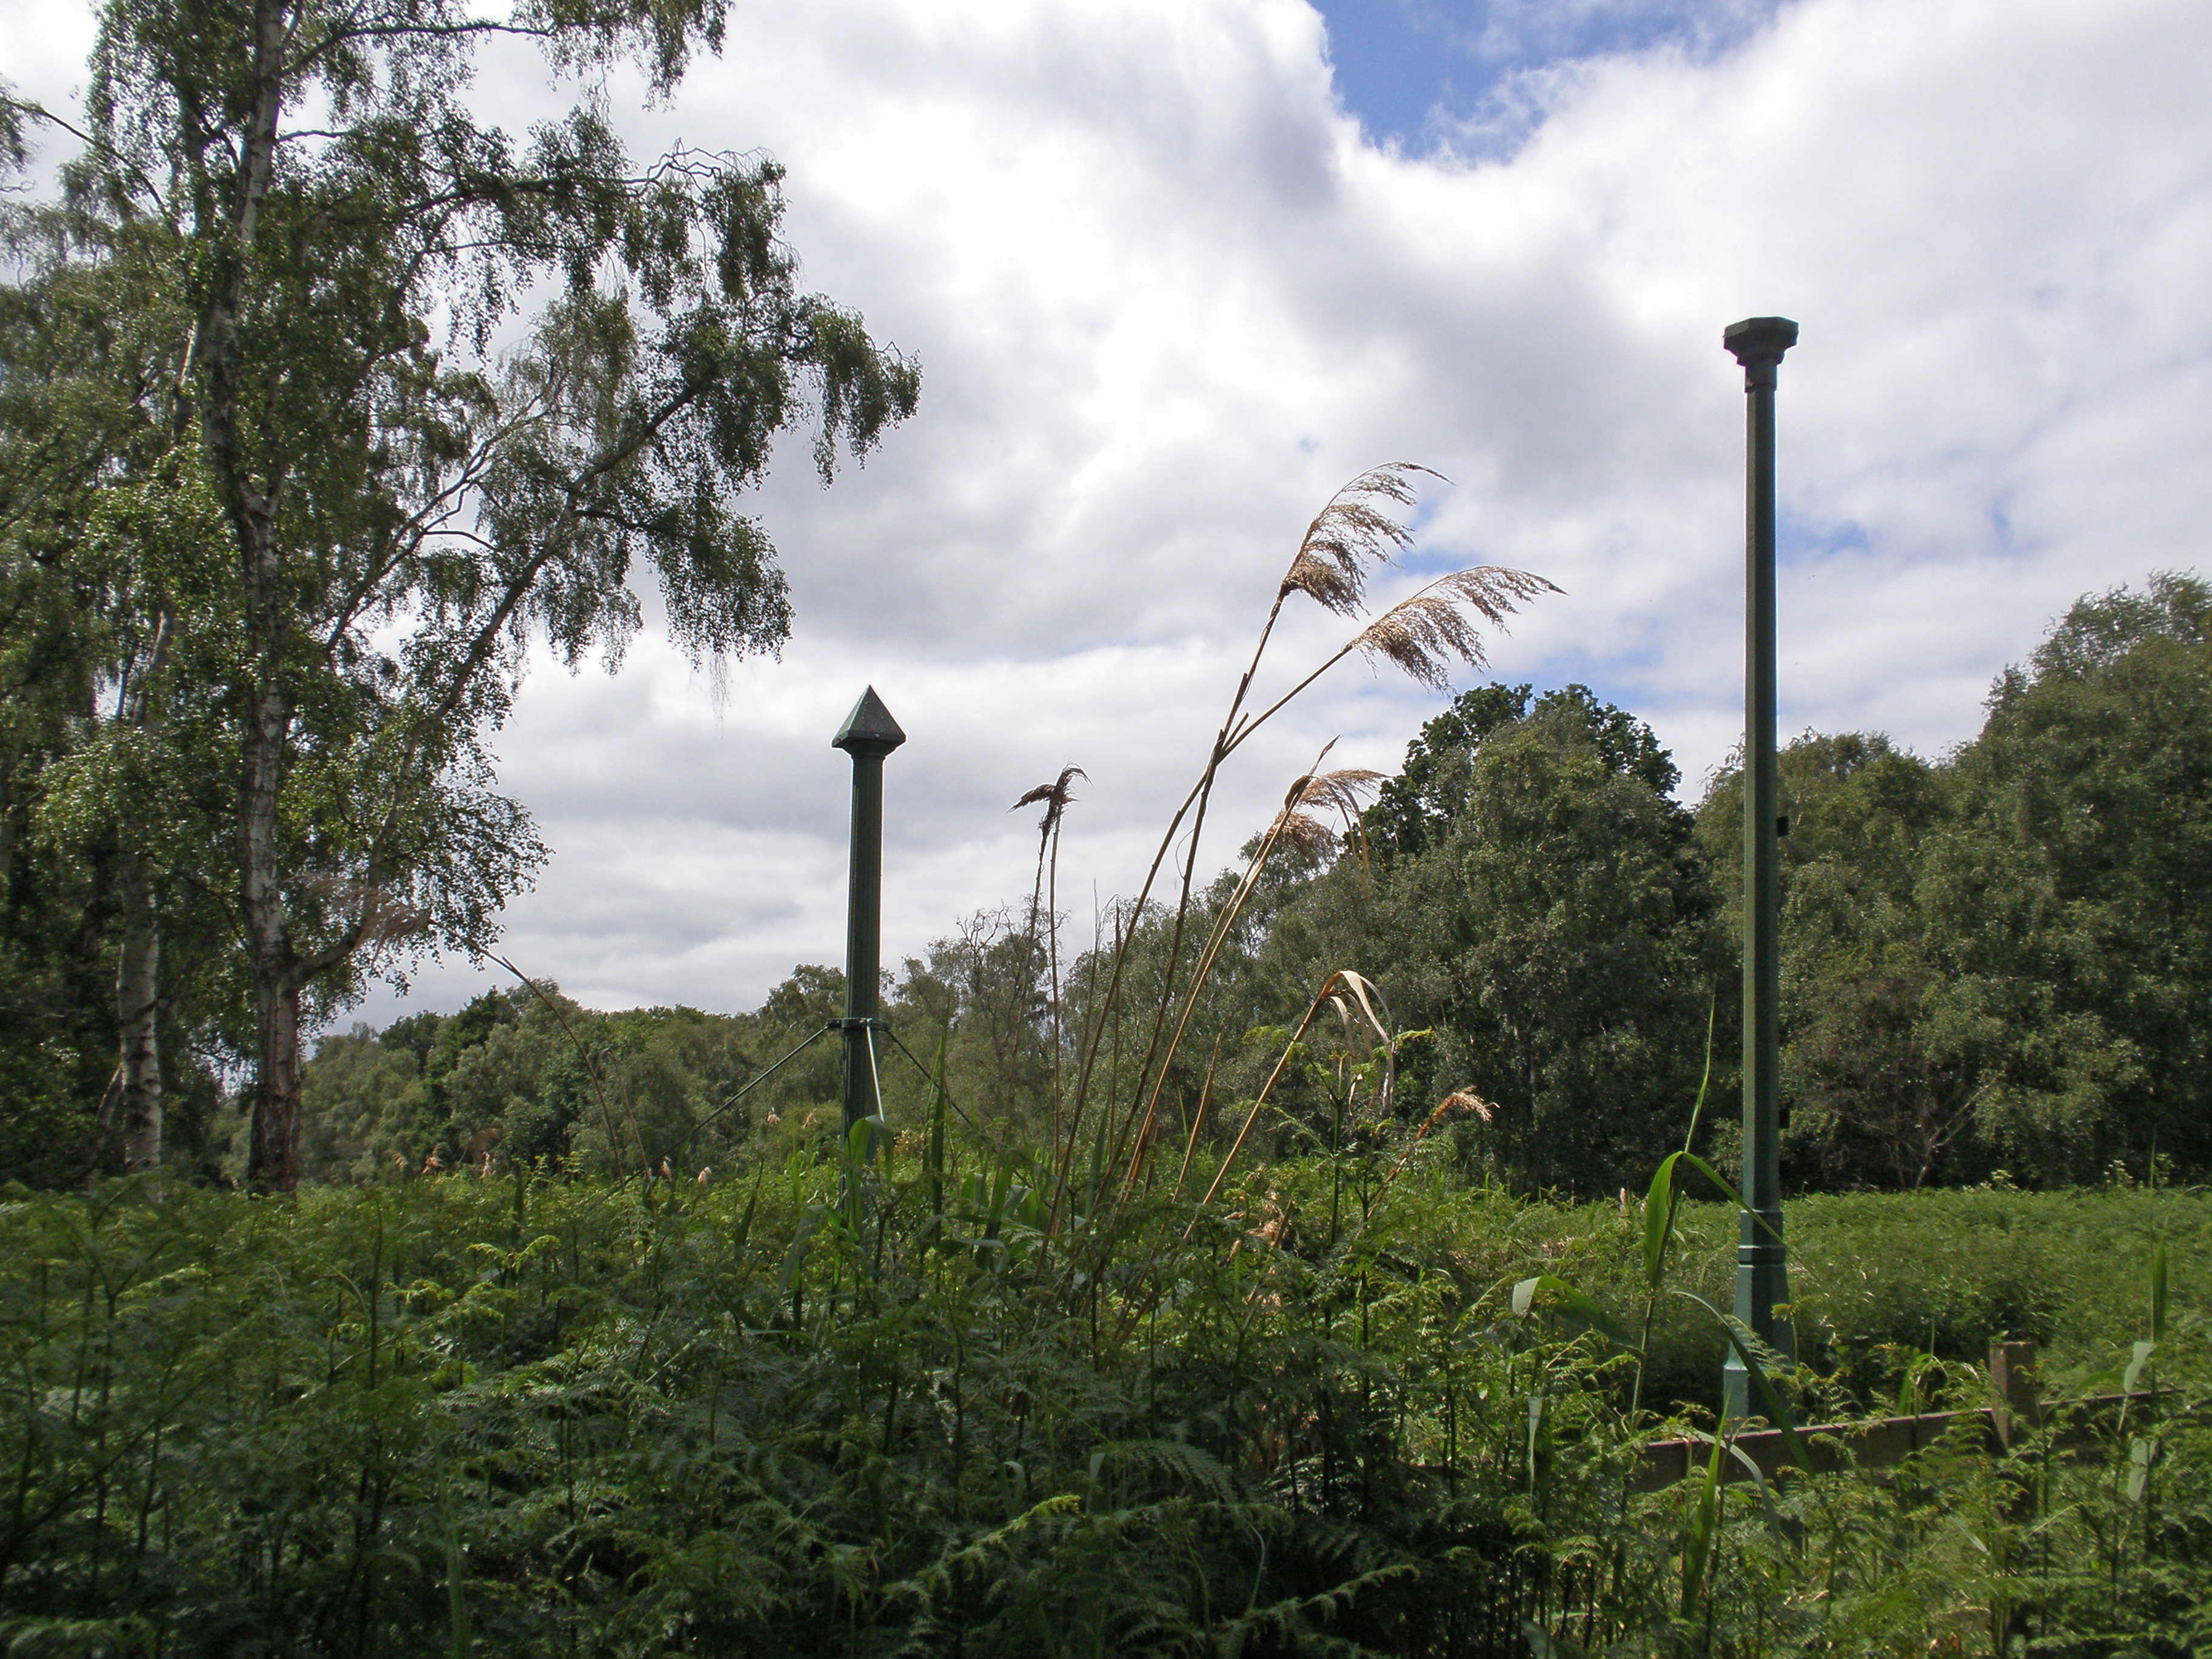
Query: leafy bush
{"x":1878,"y":1276}
{"x":830,"y":1409}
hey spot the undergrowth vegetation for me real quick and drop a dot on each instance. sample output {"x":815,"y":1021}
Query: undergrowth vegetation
{"x":838,"y":1406}
{"x":1153,"y":1353}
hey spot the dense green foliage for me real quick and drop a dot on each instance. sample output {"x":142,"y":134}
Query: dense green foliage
{"x":1187,"y":1293}
{"x":521,"y":1416}
{"x":1535,"y":898}
{"x":1534,"y":905}
{"x":1997,"y":961}
{"x":2002,"y":961}
{"x":319,"y":400}
{"x":1191,"y":1322}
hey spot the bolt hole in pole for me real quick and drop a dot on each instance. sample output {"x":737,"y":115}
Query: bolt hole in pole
{"x":868,"y":734}
{"x":1762,"y":1265}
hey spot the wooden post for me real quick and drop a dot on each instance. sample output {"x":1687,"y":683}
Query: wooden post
{"x":2017,"y":1407}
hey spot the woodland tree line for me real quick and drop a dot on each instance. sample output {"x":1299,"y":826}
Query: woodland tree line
{"x":322,"y":401}
{"x":1997,"y":960}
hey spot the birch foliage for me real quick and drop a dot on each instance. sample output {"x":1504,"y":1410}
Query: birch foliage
{"x":451,"y":390}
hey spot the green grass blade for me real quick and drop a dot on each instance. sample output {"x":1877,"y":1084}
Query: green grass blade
{"x":1572,"y":1305}
{"x":937,"y":1131}
{"x":1658,"y":1220}
{"x":745,"y":1228}
{"x":794,"y":1258}
{"x":1729,"y":1194}
{"x":1750,"y":1467}
{"x":1697,"y":1540}
{"x":1697,"y":1111}
{"x":1098,"y":1163}
{"x":2138,"y":1361}
{"x":999,"y":1191}
{"x":2158,"y":1291}
{"x":1777,"y":1409}
{"x":457,"y":1600}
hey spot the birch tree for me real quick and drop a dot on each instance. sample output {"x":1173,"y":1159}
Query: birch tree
{"x":450,"y":391}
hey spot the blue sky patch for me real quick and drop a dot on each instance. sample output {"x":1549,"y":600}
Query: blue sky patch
{"x":1798,"y":539}
{"x":1456,"y":73}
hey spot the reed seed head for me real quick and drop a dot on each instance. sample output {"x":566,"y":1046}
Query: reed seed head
{"x":1357,"y":530}
{"x":1338,"y":791}
{"x":1463,"y":1100}
{"x":1341,"y":790}
{"x":1055,"y":795}
{"x":1303,"y":833}
{"x":1423,"y":635}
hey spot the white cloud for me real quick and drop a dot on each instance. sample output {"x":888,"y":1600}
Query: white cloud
{"x":1165,"y":298}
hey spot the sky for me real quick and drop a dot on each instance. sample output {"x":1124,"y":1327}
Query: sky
{"x":1175,"y":269}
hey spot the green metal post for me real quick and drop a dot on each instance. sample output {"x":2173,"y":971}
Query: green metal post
{"x":869,"y":733}
{"x":1762,"y":1276}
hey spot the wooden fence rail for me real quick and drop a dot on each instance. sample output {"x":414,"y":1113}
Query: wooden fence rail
{"x":2017,"y":1410}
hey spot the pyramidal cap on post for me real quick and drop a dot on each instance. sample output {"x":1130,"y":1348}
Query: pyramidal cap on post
{"x":869,"y":729}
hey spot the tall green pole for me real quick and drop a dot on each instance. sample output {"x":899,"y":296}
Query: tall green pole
{"x":1762,"y":1277}
{"x":868,"y":734}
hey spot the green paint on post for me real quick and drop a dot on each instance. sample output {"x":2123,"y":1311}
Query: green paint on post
{"x":868,"y":734}
{"x":1762,"y":1264}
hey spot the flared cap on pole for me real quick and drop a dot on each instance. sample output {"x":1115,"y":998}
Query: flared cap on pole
{"x":869,"y":729}
{"x":1757,"y":343}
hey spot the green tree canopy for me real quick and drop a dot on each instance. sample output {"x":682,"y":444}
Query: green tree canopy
{"x":2003,"y":959}
{"x":1538,"y":900}
{"x":2069,"y":903}
{"x":1866,"y":1101}
{"x":1426,"y":792}
{"x":446,"y":390}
